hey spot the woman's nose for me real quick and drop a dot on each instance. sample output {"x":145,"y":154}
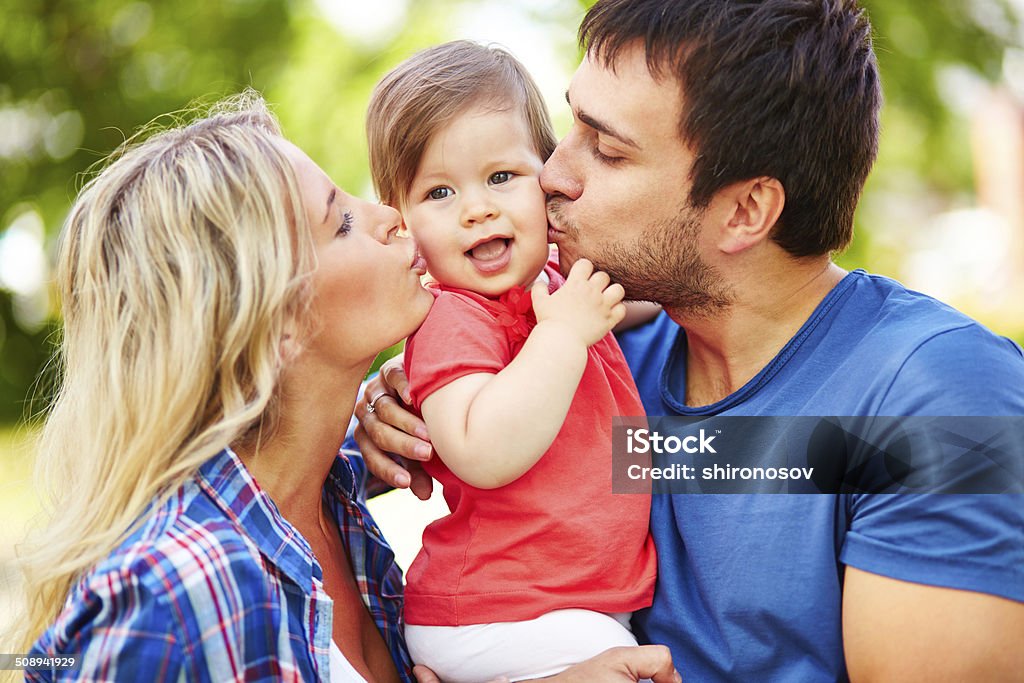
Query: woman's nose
{"x":387,"y":222}
{"x":558,"y":175}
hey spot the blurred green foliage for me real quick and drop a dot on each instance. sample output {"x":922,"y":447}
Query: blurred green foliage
{"x":77,"y":76}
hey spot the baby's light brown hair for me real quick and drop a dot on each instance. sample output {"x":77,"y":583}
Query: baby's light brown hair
{"x":427,"y":91}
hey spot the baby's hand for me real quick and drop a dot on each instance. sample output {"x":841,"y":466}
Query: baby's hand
{"x":587,"y":304}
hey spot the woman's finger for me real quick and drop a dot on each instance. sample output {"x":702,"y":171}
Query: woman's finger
{"x":393,"y":374}
{"x":380,"y":463}
{"x":389,"y":411}
{"x":391,"y":439}
{"x":422,"y":484}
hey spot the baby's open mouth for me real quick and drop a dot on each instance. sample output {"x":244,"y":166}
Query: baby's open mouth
{"x":489,"y":250}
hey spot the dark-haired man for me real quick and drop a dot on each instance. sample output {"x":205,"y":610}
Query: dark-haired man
{"x":717,"y":154}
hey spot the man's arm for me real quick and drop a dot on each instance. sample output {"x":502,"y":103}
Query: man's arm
{"x":900,"y":631}
{"x":909,"y":629}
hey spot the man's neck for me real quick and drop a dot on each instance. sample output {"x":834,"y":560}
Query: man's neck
{"x":726,"y":350}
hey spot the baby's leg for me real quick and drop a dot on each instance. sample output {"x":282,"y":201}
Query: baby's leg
{"x":520,"y":650}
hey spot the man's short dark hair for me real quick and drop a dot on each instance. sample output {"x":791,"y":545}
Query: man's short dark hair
{"x":781,"y":88}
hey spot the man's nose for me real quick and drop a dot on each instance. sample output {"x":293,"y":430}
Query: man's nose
{"x":559,"y":175}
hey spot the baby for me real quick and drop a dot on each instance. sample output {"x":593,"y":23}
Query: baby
{"x":517,"y":377}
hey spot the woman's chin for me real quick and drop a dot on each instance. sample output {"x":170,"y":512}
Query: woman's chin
{"x":421,"y":305}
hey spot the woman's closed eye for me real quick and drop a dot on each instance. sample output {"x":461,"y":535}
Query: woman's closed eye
{"x":346,"y":224}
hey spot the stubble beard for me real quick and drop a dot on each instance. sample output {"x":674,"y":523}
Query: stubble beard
{"x":662,"y":264}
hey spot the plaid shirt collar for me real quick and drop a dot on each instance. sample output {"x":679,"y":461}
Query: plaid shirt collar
{"x":231,"y":487}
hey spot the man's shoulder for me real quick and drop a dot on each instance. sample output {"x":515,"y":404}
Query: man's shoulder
{"x":914,"y":354}
{"x":883,"y":314}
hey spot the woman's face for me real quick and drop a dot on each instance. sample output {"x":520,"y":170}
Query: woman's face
{"x":366,"y":287}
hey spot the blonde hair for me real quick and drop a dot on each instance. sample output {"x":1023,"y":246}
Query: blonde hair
{"x":426,"y":91}
{"x":181,"y":266}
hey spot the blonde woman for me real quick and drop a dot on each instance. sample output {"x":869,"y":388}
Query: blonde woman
{"x":222,"y":301}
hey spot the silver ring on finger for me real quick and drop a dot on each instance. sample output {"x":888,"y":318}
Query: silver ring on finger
{"x":370,"y":406}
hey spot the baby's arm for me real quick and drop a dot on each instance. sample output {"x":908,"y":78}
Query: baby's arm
{"x":490,"y":429}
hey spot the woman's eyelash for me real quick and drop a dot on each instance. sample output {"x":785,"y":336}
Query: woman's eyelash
{"x":346,"y":223}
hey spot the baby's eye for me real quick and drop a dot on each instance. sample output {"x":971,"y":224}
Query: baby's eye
{"x":500,"y":177}
{"x":440,"y":193}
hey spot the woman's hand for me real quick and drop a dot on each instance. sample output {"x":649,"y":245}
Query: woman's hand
{"x":617,"y":665}
{"x":389,"y":428}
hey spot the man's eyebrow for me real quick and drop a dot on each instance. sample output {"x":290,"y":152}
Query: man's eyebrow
{"x":602,"y":127}
{"x":330,"y":200}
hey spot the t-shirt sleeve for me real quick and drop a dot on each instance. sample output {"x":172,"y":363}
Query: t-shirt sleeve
{"x":458,"y":338}
{"x":965,"y":541}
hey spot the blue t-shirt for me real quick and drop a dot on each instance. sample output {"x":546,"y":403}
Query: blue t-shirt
{"x":750,"y":586}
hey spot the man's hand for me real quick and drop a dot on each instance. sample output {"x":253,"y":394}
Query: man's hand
{"x":617,"y":665}
{"x":391,"y":428}
{"x":588,"y":306}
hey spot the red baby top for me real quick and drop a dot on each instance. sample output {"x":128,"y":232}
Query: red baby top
{"x":557,"y":537}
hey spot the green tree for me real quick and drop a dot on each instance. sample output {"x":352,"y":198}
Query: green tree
{"x":76,"y":76}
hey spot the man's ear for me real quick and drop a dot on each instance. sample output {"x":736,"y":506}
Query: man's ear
{"x":752,"y":208}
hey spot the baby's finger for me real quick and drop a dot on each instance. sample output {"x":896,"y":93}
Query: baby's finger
{"x":600,"y":279}
{"x":581,"y":270}
{"x":617,"y":313}
{"x":539,"y":292}
{"x":614,"y":294}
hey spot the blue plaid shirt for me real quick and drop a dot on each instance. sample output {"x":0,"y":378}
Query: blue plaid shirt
{"x":217,"y":586}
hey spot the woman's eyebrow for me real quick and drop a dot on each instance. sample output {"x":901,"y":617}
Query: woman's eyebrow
{"x":330,"y":200}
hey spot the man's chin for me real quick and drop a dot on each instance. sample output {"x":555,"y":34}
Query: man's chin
{"x":565,"y":260}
